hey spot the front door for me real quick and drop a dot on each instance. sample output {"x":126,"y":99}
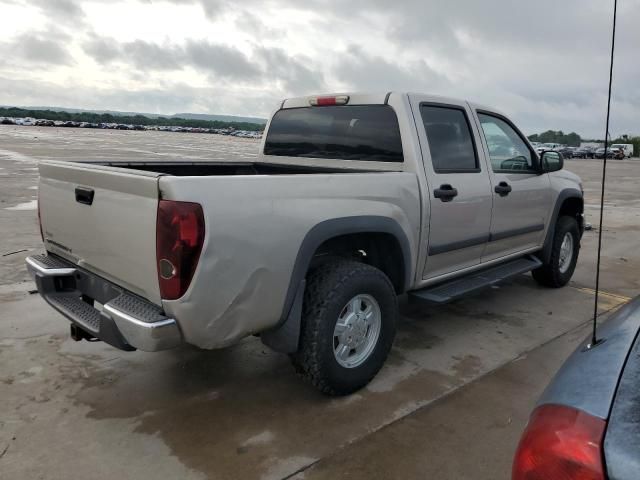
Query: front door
{"x":521,"y":194}
{"x":459,"y":186}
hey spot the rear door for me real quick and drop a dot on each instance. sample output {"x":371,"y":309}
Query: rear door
{"x":459,"y":187}
{"x":103,"y":219}
{"x":521,"y":195}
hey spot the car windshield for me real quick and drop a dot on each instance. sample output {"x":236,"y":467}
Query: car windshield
{"x":349,"y":132}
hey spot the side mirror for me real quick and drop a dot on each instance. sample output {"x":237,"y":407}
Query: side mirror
{"x":551,"y":161}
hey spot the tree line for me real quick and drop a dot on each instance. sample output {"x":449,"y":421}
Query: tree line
{"x":551,"y":136}
{"x":90,"y":117}
{"x":573,"y":139}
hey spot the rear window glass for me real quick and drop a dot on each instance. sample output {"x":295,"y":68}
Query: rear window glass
{"x":345,"y":132}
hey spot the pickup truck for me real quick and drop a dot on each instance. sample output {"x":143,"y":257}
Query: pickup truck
{"x":353,"y":200}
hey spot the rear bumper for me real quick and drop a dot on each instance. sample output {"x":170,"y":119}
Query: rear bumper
{"x":125,"y":321}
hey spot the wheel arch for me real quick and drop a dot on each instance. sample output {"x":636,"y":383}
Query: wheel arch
{"x":285,"y":336}
{"x":570,"y":202}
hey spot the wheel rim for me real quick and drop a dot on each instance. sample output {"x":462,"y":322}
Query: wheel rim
{"x":357,"y":331}
{"x":566,"y":252}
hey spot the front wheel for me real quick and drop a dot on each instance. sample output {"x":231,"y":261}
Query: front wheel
{"x":564,"y":255}
{"x":348,"y":326}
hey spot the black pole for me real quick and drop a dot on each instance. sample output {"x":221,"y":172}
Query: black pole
{"x":594,"y":338}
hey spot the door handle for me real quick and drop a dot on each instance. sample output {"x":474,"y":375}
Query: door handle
{"x":446,"y":192}
{"x":503,"y":189}
{"x":84,"y":195}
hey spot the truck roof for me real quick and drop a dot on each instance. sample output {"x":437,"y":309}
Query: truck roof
{"x":373,"y":98}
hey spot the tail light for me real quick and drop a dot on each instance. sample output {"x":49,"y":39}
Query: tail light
{"x":560,"y":443}
{"x":179,"y":239}
{"x":327,"y":101}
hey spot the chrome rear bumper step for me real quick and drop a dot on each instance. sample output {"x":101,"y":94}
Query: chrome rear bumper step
{"x":125,"y":320}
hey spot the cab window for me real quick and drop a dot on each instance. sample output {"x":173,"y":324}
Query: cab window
{"x":507,"y":150}
{"x":450,"y":139}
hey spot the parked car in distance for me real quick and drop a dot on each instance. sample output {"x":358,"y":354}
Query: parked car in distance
{"x":583,"y":152}
{"x":611,"y":153}
{"x":353,"y":199}
{"x":567,"y":152}
{"x":585,"y":425}
{"x":627,"y":148}
{"x":543,"y":147}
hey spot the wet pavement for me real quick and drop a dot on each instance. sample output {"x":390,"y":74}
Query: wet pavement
{"x":450,"y":402}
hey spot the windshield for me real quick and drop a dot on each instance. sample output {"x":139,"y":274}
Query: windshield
{"x":348,"y":132}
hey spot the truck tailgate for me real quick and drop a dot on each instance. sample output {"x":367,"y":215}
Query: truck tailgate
{"x":110,"y":232}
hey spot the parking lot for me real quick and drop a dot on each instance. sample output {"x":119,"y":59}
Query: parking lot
{"x":451,"y":401}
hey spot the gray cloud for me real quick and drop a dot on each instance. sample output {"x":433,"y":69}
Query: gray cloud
{"x":37,"y":48}
{"x":248,"y":22}
{"x":296,"y":76}
{"x":67,"y":10}
{"x":102,"y":50}
{"x":151,"y":56}
{"x":362,"y":71}
{"x":224,"y":61}
{"x":211,"y":8}
{"x":545,"y":63}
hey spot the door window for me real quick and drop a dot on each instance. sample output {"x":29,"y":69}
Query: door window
{"x":507,"y":150}
{"x":450,"y":140}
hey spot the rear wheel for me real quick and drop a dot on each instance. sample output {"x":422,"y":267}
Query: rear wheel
{"x":348,"y":326}
{"x":564,"y":255}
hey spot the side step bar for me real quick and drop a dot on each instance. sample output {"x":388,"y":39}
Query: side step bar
{"x":458,"y":287}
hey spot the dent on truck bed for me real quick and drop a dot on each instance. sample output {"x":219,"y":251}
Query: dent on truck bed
{"x":235,"y":307}
{"x":217,"y":312}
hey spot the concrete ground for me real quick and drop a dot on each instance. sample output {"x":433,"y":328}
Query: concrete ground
{"x":450,"y":403}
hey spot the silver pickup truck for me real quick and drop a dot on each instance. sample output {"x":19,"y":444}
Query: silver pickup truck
{"x":353,"y":200}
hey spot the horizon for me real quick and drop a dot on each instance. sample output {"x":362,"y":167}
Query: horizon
{"x":110,"y":110}
{"x":175,"y":115}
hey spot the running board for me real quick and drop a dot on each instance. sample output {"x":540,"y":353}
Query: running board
{"x":458,"y":287}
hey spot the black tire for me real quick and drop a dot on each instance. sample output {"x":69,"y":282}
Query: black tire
{"x":329,"y":288}
{"x":550,"y":274}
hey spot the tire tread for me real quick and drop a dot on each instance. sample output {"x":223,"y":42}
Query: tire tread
{"x":324,"y":284}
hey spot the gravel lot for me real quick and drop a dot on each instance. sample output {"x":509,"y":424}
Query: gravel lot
{"x":450,"y":403}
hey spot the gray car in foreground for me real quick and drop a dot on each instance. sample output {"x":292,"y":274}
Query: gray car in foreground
{"x":587,"y":422}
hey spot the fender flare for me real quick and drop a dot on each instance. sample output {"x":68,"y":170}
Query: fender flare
{"x":564,"y":195}
{"x":284,"y":337}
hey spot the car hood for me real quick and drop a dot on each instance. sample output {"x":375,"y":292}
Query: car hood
{"x":622,"y":438}
{"x":589,"y":378}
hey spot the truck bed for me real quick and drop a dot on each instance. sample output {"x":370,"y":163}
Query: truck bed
{"x":210,"y":169}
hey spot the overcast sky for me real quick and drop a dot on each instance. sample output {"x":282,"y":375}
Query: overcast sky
{"x":544,"y":62}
